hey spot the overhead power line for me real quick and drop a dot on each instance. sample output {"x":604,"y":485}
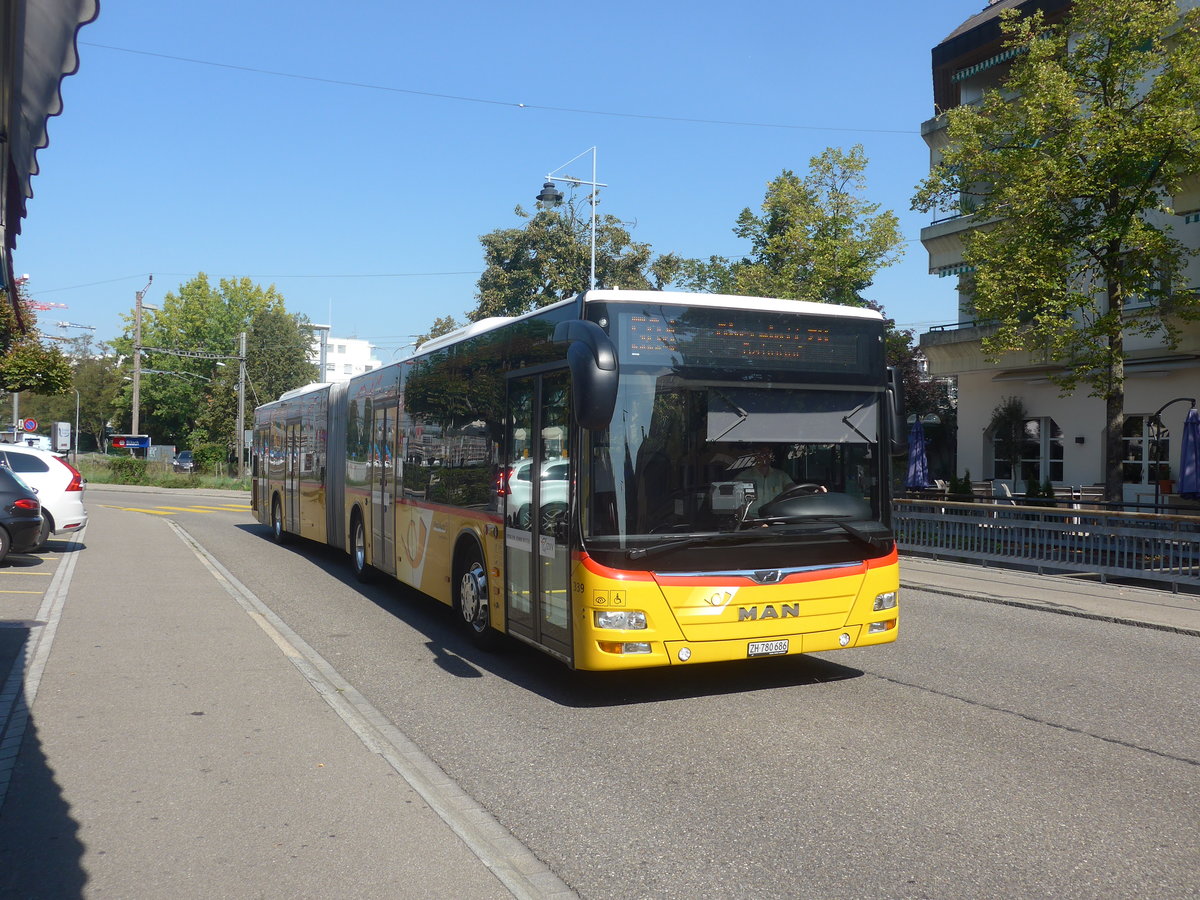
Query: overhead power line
{"x":363,"y":85}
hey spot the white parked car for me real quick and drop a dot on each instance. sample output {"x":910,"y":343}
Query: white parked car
{"x":58,"y":484}
{"x":518,"y":488}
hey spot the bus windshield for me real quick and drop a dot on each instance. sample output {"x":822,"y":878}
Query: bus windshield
{"x":790,"y":473}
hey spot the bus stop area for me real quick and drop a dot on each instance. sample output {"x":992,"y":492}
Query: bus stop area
{"x":156,"y":740}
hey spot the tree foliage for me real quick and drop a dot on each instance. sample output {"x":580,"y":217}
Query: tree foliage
{"x":26,"y":363}
{"x":817,"y":237}
{"x":196,"y":402}
{"x":548,"y":259}
{"x":277,"y":346}
{"x":99,"y":379}
{"x":1070,"y":173}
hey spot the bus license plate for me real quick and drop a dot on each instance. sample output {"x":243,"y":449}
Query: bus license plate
{"x":767,"y":648}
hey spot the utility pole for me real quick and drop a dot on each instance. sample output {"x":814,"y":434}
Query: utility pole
{"x":137,"y":354}
{"x":241,"y":409}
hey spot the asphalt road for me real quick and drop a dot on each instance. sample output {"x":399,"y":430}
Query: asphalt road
{"x":993,"y":751}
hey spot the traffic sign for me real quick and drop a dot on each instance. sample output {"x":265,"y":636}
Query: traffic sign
{"x":29,"y":424}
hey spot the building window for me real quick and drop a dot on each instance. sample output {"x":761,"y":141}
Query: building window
{"x":330,"y":367}
{"x":340,"y":348}
{"x":1041,"y":454}
{"x":1146,"y":451}
{"x":348,"y":369}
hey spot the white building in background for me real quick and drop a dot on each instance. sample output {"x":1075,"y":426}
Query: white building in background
{"x":1064,"y":436}
{"x":340,"y":359}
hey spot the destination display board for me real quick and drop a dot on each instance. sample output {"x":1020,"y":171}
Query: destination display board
{"x":711,"y":338}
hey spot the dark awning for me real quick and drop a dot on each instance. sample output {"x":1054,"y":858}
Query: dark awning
{"x":38,"y":52}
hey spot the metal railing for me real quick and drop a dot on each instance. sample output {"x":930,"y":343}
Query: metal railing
{"x":1146,"y":546}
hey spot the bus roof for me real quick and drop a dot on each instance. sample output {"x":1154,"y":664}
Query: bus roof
{"x":735,"y":301}
{"x":677,"y":298}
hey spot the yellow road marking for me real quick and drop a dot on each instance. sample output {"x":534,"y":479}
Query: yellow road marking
{"x":21,"y":592}
{"x":152,"y":512}
{"x":24,"y":572}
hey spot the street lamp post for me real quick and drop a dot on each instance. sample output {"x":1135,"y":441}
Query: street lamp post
{"x":1156,"y":425}
{"x":137,"y":354}
{"x":551,"y":196}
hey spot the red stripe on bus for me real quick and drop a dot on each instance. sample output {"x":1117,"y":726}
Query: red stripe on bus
{"x":605,"y":572}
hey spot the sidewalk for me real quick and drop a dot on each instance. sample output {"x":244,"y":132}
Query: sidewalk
{"x":1063,"y":594}
{"x":159,"y":743}
{"x":169,"y":749}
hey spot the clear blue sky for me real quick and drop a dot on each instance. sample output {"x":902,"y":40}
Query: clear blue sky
{"x":360,"y":186}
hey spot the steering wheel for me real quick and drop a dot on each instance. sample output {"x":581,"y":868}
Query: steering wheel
{"x":800,"y":490}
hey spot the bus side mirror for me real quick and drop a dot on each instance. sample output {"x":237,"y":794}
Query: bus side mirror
{"x":895,"y":395}
{"x":593,"y":363}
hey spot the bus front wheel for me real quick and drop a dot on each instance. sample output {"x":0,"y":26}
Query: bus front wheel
{"x":471,"y":600}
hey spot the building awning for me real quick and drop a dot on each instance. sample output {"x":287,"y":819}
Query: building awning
{"x":956,"y":269}
{"x":39,"y":36}
{"x":1005,"y":56}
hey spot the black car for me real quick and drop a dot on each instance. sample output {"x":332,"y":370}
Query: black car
{"x":185,"y":463}
{"x":20,"y":514}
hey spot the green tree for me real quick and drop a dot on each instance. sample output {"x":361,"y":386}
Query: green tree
{"x":816,"y":239}
{"x":1069,"y":173}
{"x":26,"y":363}
{"x":181,"y":338}
{"x":549,"y":259}
{"x":99,"y":379}
{"x":277,"y":347}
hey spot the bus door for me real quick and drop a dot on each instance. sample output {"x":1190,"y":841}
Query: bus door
{"x":536,"y":534}
{"x":291,"y":477}
{"x":383,"y":490}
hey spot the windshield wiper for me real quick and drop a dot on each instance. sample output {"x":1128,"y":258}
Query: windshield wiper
{"x":742,"y":415}
{"x":724,"y":538}
{"x":853,"y":530}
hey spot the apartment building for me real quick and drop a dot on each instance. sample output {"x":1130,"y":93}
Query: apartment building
{"x":1064,"y":435}
{"x":340,"y":359}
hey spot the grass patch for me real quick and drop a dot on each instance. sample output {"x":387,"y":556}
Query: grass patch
{"x":100,"y":469}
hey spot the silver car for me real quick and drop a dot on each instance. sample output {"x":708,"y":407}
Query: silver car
{"x":58,"y":484}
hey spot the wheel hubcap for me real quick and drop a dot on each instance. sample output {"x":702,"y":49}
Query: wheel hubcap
{"x":472,"y":595}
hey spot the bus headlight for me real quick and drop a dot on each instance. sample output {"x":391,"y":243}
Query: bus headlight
{"x":885,"y":601}
{"x":621,"y":619}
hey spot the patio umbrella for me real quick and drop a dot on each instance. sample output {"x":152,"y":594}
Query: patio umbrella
{"x":917,"y":477}
{"x":1189,"y":459}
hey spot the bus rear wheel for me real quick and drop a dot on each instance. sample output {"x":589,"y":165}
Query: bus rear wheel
{"x":278,"y":534}
{"x":471,"y":600}
{"x":358,"y":549}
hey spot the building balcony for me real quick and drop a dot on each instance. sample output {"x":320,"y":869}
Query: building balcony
{"x":943,"y":242}
{"x":958,"y":349}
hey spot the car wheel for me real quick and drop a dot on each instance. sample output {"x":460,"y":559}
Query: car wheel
{"x":44,"y":534}
{"x":5,"y":544}
{"x":358,"y":550}
{"x":471,"y":600}
{"x":278,"y":535}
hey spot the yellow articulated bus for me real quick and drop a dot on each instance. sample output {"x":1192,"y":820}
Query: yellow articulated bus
{"x":623,"y":479}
